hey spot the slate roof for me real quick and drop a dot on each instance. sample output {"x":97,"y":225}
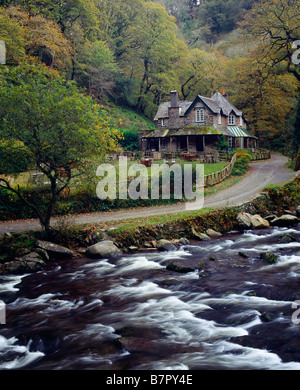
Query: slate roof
{"x":216,"y":104}
{"x":225,"y":104}
{"x":163,"y":109}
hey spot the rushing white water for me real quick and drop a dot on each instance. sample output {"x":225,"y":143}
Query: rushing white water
{"x":97,"y":314}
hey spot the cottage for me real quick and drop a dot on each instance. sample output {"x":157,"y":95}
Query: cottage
{"x":197,"y":126}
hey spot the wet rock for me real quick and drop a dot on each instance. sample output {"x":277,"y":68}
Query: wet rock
{"x":178,"y":267}
{"x":29,"y":263}
{"x":286,"y":238}
{"x":184,"y":241}
{"x":199,"y":236}
{"x":56,"y":251}
{"x":103,"y":250}
{"x":213,"y":234}
{"x":266,"y":317}
{"x":285,"y":220}
{"x":242,"y":254}
{"x":269,"y":257}
{"x":165,"y":245}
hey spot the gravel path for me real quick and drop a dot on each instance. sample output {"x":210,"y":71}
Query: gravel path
{"x":260,"y":175}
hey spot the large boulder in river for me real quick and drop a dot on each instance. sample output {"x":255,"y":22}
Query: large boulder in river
{"x":165,"y":245}
{"x":244,"y":220}
{"x":258,"y":222}
{"x":56,"y":251}
{"x":103,"y":250}
{"x":248,"y":221}
{"x":29,"y":263}
{"x":285,"y":220}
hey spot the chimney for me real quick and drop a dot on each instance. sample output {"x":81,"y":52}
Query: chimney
{"x":174,"y":99}
{"x":225,"y":94}
{"x":174,"y":117}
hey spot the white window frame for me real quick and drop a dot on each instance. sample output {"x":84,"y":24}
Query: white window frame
{"x":219,"y":119}
{"x":241,"y":121}
{"x":163,"y":122}
{"x":231,"y":120}
{"x":200,"y":117}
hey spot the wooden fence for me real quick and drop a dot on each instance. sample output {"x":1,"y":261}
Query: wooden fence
{"x":260,"y":154}
{"x":217,"y":177}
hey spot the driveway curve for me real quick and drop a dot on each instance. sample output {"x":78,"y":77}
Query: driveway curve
{"x":261,"y":174}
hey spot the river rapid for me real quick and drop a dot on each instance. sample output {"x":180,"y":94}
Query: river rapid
{"x":235,"y":311}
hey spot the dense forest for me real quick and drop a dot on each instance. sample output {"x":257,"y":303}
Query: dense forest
{"x":132,"y":53}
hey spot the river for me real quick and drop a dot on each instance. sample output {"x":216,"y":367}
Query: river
{"x":235,"y":312}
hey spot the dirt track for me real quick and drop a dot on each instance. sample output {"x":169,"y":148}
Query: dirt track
{"x":260,"y":175}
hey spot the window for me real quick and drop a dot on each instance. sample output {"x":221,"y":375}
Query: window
{"x":241,"y":121}
{"x":163,"y":122}
{"x":200,"y":115}
{"x":231,"y":120}
{"x":219,"y":119}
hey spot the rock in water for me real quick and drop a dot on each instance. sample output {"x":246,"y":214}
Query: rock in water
{"x":244,"y":220}
{"x":258,"y":222}
{"x":56,"y":251}
{"x":213,"y":234}
{"x":103,"y":250}
{"x":199,"y":236}
{"x":269,"y":257}
{"x":165,"y":245}
{"x":285,"y":220}
{"x":248,"y":221}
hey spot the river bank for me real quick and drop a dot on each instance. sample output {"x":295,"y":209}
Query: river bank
{"x":23,"y":253}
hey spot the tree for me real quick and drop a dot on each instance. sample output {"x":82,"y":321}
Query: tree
{"x":275,"y":26}
{"x":35,"y":36}
{"x":52,"y":124}
{"x":201,"y":72}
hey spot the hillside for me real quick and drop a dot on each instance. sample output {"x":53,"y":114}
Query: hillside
{"x":205,"y":22}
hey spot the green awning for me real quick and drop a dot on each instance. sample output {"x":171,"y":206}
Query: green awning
{"x":239,"y":132}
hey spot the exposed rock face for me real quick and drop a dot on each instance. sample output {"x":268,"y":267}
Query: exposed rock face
{"x":56,"y":251}
{"x":103,"y":250}
{"x":165,"y":245}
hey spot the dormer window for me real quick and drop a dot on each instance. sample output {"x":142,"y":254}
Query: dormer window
{"x":200,"y":115}
{"x":231,"y":120}
{"x":163,"y":122}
